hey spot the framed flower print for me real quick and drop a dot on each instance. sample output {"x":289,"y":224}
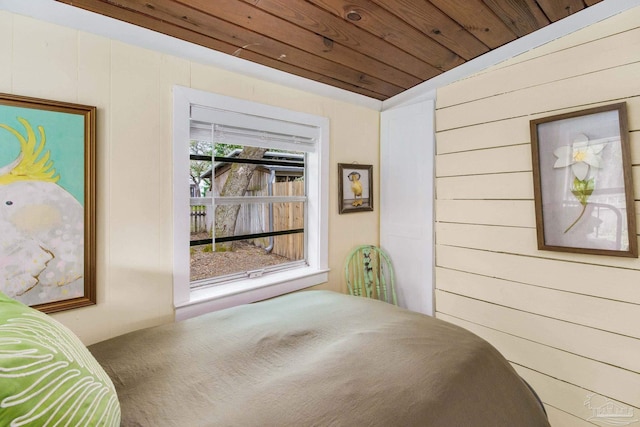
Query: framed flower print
{"x":582,"y":182}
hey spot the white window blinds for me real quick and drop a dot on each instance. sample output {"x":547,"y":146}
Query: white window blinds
{"x":230,"y":127}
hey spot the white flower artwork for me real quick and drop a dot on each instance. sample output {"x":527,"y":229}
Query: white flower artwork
{"x":583,"y":156}
{"x":582,"y":182}
{"x":580,"y":155}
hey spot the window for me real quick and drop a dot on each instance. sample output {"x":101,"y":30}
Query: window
{"x":270,"y":236}
{"x":247,"y":214}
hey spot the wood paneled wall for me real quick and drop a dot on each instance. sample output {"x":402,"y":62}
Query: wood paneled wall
{"x":569,"y":323}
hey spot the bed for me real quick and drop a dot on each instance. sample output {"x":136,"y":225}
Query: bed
{"x":314,"y":358}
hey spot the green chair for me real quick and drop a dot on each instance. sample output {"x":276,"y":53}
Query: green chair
{"x":370,"y":274}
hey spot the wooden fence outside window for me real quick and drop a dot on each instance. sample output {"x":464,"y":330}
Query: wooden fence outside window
{"x":254,"y":218}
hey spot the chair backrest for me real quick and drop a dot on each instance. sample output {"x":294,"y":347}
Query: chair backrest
{"x":369,"y":273}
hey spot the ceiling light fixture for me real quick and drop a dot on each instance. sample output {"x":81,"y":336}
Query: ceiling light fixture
{"x":352,"y":15}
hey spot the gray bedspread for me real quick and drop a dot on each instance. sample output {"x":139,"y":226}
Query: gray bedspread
{"x":314,"y":358}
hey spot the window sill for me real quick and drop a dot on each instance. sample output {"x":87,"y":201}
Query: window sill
{"x":215,"y":298}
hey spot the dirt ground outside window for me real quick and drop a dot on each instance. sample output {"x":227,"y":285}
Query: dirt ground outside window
{"x":244,"y":257}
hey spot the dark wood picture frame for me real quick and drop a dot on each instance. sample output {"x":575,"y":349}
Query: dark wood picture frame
{"x":583,"y":187}
{"x":355,"y":188}
{"x":48,"y":193}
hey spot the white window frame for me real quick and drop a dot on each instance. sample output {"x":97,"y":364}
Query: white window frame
{"x":190,"y":303}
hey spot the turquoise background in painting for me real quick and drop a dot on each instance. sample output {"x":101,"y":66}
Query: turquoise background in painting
{"x":64,"y":139}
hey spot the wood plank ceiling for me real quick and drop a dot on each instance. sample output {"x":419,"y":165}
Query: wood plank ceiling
{"x":377,"y":48}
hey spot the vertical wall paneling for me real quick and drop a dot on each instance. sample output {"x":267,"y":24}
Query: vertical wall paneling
{"x":406,"y":200}
{"x":35,"y":48}
{"x":94,"y":88}
{"x":569,"y":323}
{"x":6,"y":50}
{"x":173,"y":71}
{"x":135,"y":76}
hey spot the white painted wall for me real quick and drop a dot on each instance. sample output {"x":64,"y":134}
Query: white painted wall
{"x":131,"y":86}
{"x":569,"y":323}
{"x":406,"y":200}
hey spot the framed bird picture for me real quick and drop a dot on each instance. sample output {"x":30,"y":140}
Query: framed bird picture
{"x":355,"y":187}
{"x":47,"y":202}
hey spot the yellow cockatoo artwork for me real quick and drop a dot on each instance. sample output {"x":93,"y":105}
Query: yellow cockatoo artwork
{"x":356,"y":188}
{"x":41,"y":224}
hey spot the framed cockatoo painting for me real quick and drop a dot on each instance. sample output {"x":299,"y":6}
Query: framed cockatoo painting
{"x":47,"y":202}
{"x":355,"y":187}
{"x":583,"y":188}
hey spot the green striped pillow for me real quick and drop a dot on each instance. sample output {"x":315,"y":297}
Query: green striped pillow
{"x":47,"y":376}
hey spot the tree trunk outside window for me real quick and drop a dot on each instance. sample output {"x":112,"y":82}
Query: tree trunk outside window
{"x":236,"y":185}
